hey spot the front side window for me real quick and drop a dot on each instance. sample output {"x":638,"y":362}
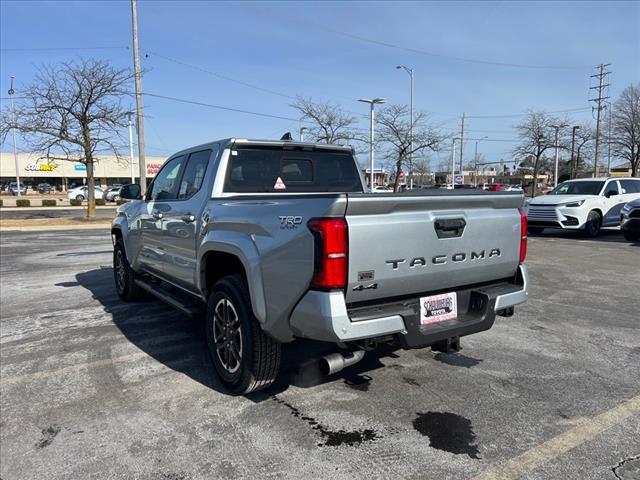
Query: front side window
{"x":165,"y":184}
{"x":194,"y":174}
{"x":578,"y":188}
{"x":612,"y":187}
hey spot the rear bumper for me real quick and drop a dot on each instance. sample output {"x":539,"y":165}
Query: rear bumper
{"x":324,"y":315}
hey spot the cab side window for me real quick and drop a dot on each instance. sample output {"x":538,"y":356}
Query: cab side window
{"x":630,"y":186}
{"x":165,"y":185}
{"x":194,"y":174}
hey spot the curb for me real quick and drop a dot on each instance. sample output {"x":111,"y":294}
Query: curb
{"x":45,"y":228}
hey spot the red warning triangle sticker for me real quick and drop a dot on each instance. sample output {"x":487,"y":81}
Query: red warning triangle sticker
{"x":279,"y":185}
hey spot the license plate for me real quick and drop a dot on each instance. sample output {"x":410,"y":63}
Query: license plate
{"x":438,"y":308}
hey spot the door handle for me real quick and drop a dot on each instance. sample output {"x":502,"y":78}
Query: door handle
{"x":449,"y":227}
{"x":188,"y":218}
{"x":157,"y":215}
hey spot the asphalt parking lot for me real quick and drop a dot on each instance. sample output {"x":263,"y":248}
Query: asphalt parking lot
{"x":94,"y":388}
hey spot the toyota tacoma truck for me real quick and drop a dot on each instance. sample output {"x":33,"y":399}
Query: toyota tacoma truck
{"x":280,"y":240}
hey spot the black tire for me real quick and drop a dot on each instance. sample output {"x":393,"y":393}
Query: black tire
{"x":594,"y":222}
{"x":631,"y":236}
{"x":535,"y":230}
{"x":256,"y":361}
{"x":115,"y":198}
{"x":123,"y":276}
{"x":79,"y":197}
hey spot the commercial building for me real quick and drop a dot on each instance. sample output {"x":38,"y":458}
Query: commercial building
{"x":62,"y":175}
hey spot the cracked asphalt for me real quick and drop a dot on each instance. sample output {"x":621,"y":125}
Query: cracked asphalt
{"x":94,"y":388}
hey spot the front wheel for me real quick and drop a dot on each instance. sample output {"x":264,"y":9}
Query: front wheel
{"x":116,"y":198}
{"x":245,"y":358}
{"x":79,"y":197}
{"x":631,"y":236}
{"x":123,"y":275}
{"x":594,"y":222}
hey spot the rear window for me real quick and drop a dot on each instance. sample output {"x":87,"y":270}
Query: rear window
{"x":273,"y":169}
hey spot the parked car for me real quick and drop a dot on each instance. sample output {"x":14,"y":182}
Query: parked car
{"x":112,"y":194}
{"x":13,"y":188}
{"x":274,"y":239}
{"x":630,"y":220}
{"x":382,"y":189}
{"x":44,"y":188}
{"x":585,"y":204}
{"x":82,"y":193}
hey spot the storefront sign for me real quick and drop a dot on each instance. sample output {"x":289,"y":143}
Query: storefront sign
{"x":152,"y":168}
{"x":81,"y":167}
{"x":45,"y":167}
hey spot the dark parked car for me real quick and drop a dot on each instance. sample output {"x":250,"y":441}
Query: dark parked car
{"x":630,"y":220}
{"x":44,"y":188}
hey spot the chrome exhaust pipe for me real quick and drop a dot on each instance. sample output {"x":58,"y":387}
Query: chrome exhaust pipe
{"x":335,"y":362}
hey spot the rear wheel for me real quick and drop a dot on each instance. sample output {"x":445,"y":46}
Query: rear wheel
{"x":245,"y":358}
{"x":594,"y":222}
{"x":116,"y":198}
{"x":79,"y":197}
{"x":535,"y":230}
{"x":123,"y":275}
{"x":631,"y":236}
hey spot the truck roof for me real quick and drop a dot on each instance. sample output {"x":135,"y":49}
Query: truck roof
{"x":224,"y":143}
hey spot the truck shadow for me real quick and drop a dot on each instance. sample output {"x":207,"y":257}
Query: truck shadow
{"x":178,"y":342}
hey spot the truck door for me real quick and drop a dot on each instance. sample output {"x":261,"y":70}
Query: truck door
{"x":162,"y":191}
{"x":613,"y":203}
{"x":181,"y":220}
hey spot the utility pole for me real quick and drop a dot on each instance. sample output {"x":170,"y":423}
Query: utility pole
{"x":599,"y":99}
{"x":475,"y":161}
{"x":609,"y":141}
{"x":13,"y":130}
{"x":555,"y":172}
{"x":131,"y":162}
{"x":139,"y":109}
{"x":461,"y":143}
{"x":372,"y":103}
{"x":573,"y":146}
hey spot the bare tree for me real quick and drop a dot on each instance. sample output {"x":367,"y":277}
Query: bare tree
{"x":394,"y":128}
{"x":72,"y":111}
{"x":584,"y":148}
{"x":626,"y":127}
{"x":536,"y":136}
{"x":329,"y":123}
{"x":421,"y":168}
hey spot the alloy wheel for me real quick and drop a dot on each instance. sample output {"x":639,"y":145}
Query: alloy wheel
{"x":227,"y":335}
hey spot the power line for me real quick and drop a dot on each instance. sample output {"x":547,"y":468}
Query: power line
{"x":570,"y":110}
{"x":220,"y":107}
{"x":45,"y":49}
{"x":438,"y":55}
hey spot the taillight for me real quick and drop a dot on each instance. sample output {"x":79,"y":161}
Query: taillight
{"x":523,"y":235}
{"x":331,"y":257}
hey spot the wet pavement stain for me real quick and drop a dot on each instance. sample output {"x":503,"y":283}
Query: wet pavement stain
{"x":48,"y":434}
{"x":411,"y":381}
{"x":359,"y":382}
{"x":332,"y":438}
{"x":449,"y":432}
{"x":457,"y":360}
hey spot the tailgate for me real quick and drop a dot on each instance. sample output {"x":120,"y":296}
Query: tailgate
{"x":406,"y":244}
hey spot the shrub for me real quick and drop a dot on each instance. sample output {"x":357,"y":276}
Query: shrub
{"x":75,"y":202}
{"x":22,"y":202}
{"x":100,"y":202}
{"x":121,"y":201}
{"x":49,"y":203}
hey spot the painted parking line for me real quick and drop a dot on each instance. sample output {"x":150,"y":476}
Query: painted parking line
{"x":560,"y":444}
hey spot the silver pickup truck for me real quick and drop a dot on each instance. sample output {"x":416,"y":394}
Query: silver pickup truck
{"x":280,"y":240}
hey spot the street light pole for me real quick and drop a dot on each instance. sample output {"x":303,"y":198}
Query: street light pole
{"x":475,"y":161}
{"x":453,"y":162}
{"x":609,"y":142}
{"x":573,"y":146}
{"x":410,"y":72}
{"x":371,"y":103}
{"x":302,"y":130}
{"x":13,"y":130}
{"x":131,"y":162}
{"x":555,"y":173}
{"x":138,"y":88}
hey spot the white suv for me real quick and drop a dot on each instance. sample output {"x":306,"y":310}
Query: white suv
{"x":583,"y":204}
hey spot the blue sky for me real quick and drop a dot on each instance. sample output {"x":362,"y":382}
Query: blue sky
{"x":294,"y":48}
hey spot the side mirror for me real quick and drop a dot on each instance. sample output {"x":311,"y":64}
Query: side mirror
{"x":130,"y":192}
{"x":610,"y":193}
